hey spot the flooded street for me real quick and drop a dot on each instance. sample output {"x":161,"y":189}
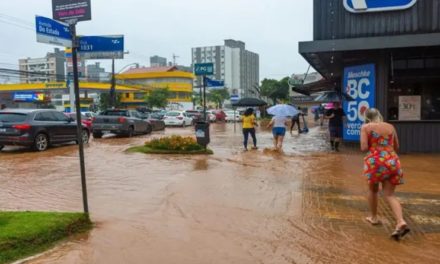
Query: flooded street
{"x":304,"y":206}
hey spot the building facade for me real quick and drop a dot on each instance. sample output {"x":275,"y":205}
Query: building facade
{"x":233,"y":64}
{"x":386,"y":57}
{"x":179,"y":83}
{"x":46,"y":69}
{"x":94,"y":72}
{"x":156,"y":61}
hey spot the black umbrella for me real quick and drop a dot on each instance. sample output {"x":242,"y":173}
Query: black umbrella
{"x":250,"y":102}
{"x":333,"y":96}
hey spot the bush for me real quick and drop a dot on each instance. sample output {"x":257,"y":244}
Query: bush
{"x":174,"y":143}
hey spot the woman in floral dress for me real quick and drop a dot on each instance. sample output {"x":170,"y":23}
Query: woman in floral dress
{"x":382,"y":166}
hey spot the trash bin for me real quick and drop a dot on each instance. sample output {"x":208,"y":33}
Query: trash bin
{"x":202,"y":133}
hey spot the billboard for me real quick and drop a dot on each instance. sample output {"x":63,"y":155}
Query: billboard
{"x":360,"y":83}
{"x":66,"y":10}
{"x":361,"y":6}
{"x":28,"y":97}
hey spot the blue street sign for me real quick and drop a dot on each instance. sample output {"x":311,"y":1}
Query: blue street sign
{"x":204,"y":69}
{"x":360,"y":84}
{"x":234,"y":98}
{"x":101,"y":47}
{"x":53,"y":32}
{"x":361,"y":6}
{"x":214,"y":84}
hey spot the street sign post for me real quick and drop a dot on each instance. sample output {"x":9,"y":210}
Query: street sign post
{"x":53,"y":32}
{"x":69,"y":10}
{"x":203,"y":69}
{"x":101,"y":47}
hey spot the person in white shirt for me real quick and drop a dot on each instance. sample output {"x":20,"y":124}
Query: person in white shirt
{"x":278,"y":124}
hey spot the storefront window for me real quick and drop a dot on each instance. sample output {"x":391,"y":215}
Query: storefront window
{"x":414,"y":90}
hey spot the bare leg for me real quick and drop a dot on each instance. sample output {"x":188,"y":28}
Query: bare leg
{"x":388,"y":190}
{"x":280,"y":142}
{"x":275,"y":141}
{"x":373,"y":201}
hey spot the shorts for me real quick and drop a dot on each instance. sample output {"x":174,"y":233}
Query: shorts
{"x":335,"y":131}
{"x":279,"y":131}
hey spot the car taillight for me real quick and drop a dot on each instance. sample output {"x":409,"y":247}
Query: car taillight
{"x":22,"y":127}
{"x":180,"y":118}
{"x":122,"y":120}
{"x":93,"y":119}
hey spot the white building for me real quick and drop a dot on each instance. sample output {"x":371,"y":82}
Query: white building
{"x":46,"y":69}
{"x":233,"y":64}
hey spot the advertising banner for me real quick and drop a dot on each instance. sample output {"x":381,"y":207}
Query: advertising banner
{"x":66,"y":10}
{"x":361,"y":6}
{"x":28,"y":97}
{"x":410,"y":108}
{"x":360,"y":84}
{"x":203,"y":69}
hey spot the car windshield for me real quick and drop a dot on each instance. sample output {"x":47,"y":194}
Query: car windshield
{"x":12,"y":117}
{"x":173,"y":114}
{"x":114,"y":113}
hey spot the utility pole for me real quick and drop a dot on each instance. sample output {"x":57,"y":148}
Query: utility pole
{"x":79,"y":129}
{"x":112,"y":98}
{"x":174,"y":59}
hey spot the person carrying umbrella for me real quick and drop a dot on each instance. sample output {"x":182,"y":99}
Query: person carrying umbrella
{"x":295,"y":120}
{"x":279,"y":122}
{"x":249,"y":122}
{"x":336,"y":117}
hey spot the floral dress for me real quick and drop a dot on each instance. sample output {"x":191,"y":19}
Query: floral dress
{"x":382,"y":163}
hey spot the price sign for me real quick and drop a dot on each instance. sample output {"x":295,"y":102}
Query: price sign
{"x":360,"y":84}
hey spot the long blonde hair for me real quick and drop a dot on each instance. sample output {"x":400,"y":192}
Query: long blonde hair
{"x":373,"y":115}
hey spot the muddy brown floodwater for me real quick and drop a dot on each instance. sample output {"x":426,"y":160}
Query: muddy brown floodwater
{"x":304,"y":206}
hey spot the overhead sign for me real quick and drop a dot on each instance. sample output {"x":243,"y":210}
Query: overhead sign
{"x":28,"y":97}
{"x":203,"y":69}
{"x":101,"y":47}
{"x":52,"y":32}
{"x":362,"y":6}
{"x":68,"y":10}
{"x":214,"y":84}
{"x":360,"y":83}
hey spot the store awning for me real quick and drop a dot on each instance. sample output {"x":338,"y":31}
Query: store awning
{"x":329,"y":56}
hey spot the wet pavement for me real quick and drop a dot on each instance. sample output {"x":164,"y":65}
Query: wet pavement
{"x":304,"y":206}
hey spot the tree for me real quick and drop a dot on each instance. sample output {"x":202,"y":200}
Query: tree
{"x":218,"y":96}
{"x":104,"y":101}
{"x":158,"y":98}
{"x":275,"y":90}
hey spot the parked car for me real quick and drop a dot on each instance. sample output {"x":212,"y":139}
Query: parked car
{"x":120,"y":122}
{"x":219,"y":115}
{"x":211,"y":116}
{"x":89,"y":115}
{"x":38,"y":128}
{"x":156,"y":123}
{"x":177,"y":118}
{"x":195,"y":115}
{"x":230,"y":116}
{"x":159,"y":114}
{"x":87,"y":122}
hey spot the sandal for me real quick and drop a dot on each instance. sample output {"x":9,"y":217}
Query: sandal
{"x":370,"y":220}
{"x":398,"y":234}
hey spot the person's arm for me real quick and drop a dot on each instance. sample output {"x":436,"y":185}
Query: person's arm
{"x":364,"y":138}
{"x":396,"y":140}
{"x":254,"y":121}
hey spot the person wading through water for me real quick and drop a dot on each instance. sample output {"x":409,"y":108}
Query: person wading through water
{"x":249,"y":124}
{"x":382,"y":166}
{"x":336,"y":117}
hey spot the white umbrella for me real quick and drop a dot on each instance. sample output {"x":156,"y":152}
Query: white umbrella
{"x":283,"y":110}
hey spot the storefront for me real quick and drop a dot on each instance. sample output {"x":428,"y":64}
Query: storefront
{"x":385,"y":54}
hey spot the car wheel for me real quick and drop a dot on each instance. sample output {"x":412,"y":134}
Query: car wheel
{"x":41,"y":142}
{"x":130,"y":132}
{"x":149,"y":129}
{"x":183,"y":124}
{"x":97,"y":135}
{"x":1,"y":147}
{"x":85,"y":136}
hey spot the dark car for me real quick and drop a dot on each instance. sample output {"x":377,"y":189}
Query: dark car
{"x":37,"y":128}
{"x":195,"y":115}
{"x":86,"y":121}
{"x":120,"y":122}
{"x":155,"y":122}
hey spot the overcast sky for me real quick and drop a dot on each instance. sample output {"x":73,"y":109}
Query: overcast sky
{"x":271,"y":28}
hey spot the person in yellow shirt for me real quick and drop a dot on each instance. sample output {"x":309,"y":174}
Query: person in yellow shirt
{"x":249,"y":124}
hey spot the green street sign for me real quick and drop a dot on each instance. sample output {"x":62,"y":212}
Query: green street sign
{"x":204,"y":69}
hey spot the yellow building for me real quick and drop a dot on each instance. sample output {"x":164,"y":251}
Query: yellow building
{"x":179,"y":83}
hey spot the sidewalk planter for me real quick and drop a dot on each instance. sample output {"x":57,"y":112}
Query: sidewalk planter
{"x":27,"y":233}
{"x":171,"y":145}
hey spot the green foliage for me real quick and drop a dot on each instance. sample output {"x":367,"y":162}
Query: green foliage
{"x":174,"y":143}
{"x":105,"y":101}
{"x":196,"y":98}
{"x":158,"y":98}
{"x":275,"y":90}
{"x":218,"y":96}
{"x":27,"y":233}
